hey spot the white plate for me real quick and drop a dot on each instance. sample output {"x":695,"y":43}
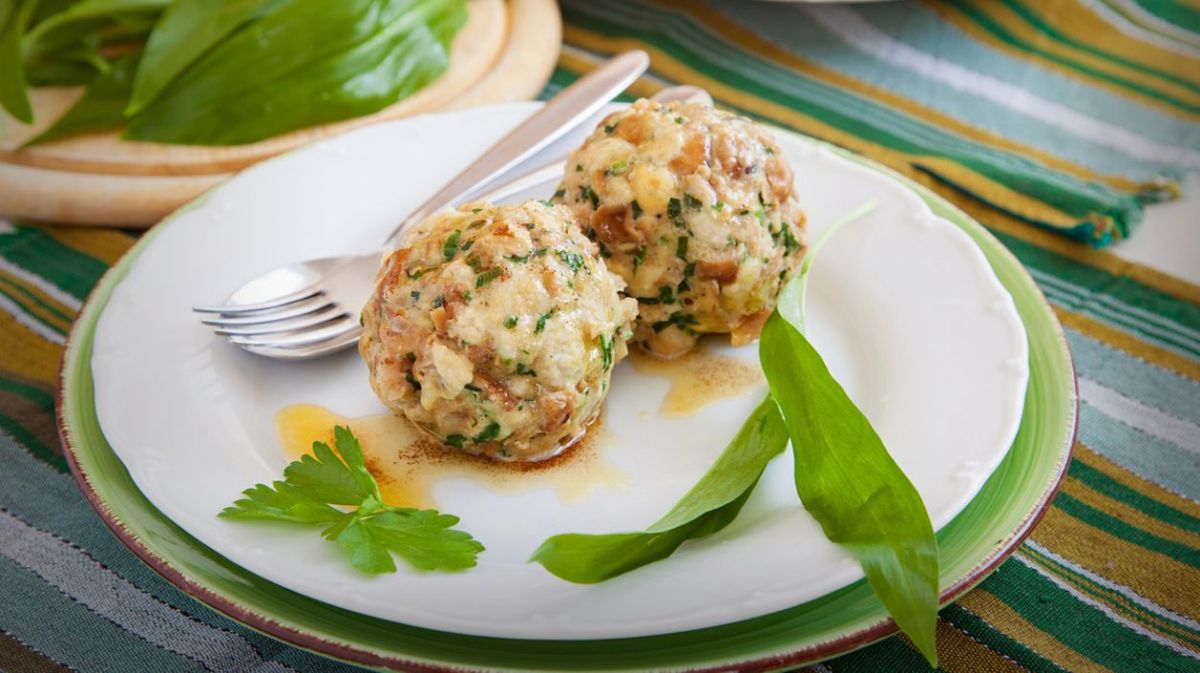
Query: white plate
{"x":906,"y":311}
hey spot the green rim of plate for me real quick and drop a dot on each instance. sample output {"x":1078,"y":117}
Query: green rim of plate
{"x":971,"y":546}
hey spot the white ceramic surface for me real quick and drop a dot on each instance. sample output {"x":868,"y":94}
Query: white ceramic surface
{"x":902,"y":304}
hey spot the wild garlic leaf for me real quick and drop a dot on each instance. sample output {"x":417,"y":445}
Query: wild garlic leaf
{"x":372,"y":531}
{"x":850,"y":484}
{"x":101,"y":108}
{"x":325,"y":476}
{"x":307,"y":62}
{"x":84,"y":17}
{"x":14,"y":94}
{"x":710,"y":506}
{"x":845,"y":476}
{"x":184,"y":32}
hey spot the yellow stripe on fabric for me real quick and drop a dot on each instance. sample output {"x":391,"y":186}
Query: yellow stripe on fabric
{"x":955,"y":16}
{"x":1105,"y":261}
{"x":750,"y":41}
{"x":106,"y":245}
{"x":580,"y":62}
{"x":959,"y":652}
{"x":1089,"y":457}
{"x":1129,"y":343}
{"x":1008,"y":621}
{"x":1148,"y":573}
{"x":26,"y":354}
{"x":1115,"y":602}
{"x":9,"y":286}
{"x":1093,"y":30}
{"x":1129,"y":515}
{"x":41,"y":295}
{"x":991,"y":191}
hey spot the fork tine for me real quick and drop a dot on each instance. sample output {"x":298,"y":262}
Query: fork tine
{"x":334,"y":330}
{"x":278,"y":326}
{"x":234,"y":309}
{"x":286,"y":312}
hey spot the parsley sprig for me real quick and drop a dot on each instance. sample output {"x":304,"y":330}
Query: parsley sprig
{"x":370,"y":532}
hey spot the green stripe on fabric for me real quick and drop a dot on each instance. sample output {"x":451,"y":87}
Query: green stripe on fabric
{"x":1115,"y":600}
{"x":987,"y":634}
{"x":1111,"y":524}
{"x":1094,"y":281}
{"x":1165,"y":464}
{"x":1049,"y":30}
{"x":1106,"y":485}
{"x":38,"y":396}
{"x":24,"y":297}
{"x":875,"y":123}
{"x":46,"y":454}
{"x":1135,"y":378}
{"x":1152,"y":329}
{"x":69,"y":632}
{"x":49,"y":500}
{"x":1174,"y":12}
{"x":887,"y":656}
{"x":1081,"y":627}
{"x":63,"y":266}
{"x":1084,"y":232}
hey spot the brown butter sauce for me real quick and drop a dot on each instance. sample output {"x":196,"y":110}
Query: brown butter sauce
{"x":698,"y":378}
{"x":407,"y":464}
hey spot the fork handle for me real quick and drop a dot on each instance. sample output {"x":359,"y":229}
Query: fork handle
{"x":560,"y":114}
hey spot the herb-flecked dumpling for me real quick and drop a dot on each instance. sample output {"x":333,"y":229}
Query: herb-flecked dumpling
{"x":495,"y":329}
{"x":695,"y":209}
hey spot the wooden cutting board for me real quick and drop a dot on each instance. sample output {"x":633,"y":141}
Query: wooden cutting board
{"x":506,"y":51}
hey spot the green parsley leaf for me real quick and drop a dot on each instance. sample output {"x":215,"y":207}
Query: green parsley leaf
{"x":450,"y":247}
{"x":573,"y":260}
{"x":681,"y":247}
{"x":606,"y":350}
{"x":541,"y":321}
{"x":328,"y":478}
{"x":510,"y":322}
{"x":372,"y":531}
{"x":639,"y":256}
{"x":487,"y":277}
{"x":488,"y":433}
{"x":674,"y":209}
{"x":637,"y":209}
{"x":617,"y":168}
{"x":692,"y":202}
{"x":680,"y":320}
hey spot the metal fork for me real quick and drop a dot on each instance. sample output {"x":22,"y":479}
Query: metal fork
{"x":310,"y":309}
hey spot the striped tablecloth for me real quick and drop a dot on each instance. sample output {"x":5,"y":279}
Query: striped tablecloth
{"x":1053,"y":122}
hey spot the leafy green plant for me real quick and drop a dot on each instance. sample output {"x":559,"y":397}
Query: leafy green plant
{"x":313,"y":488}
{"x":218,"y":73}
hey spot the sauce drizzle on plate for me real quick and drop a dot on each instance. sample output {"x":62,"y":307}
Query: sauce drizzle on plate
{"x":698,"y":378}
{"x":407,"y":464}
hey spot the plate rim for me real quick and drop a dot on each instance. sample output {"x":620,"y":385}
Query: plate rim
{"x":77,"y":351}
